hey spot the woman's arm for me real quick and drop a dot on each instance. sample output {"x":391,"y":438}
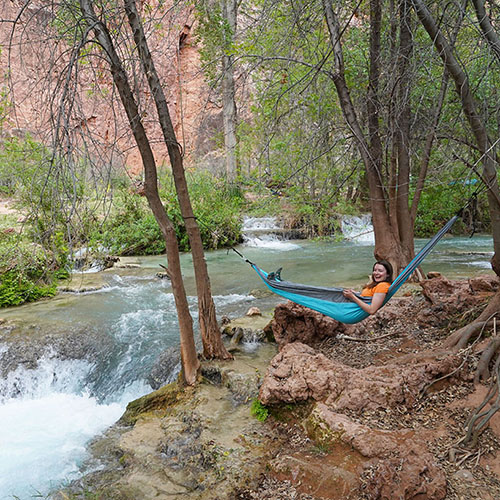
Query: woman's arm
{"x":377,"y":301}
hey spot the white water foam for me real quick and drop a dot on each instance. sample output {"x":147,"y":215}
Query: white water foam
{"x":358,"y":229}
{"x":52,"y":445}
{"x":269,"y":241}
{"x":44,"y":431}
{"x":484,"y":264}
{"x":258,"y":232}
{"x":232,"y":298}
{"x":259,"y":223}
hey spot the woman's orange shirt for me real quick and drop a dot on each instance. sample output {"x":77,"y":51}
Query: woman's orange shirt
{"x":380,"y":288}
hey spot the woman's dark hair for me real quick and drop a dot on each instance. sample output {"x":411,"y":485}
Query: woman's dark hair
{"x":388,"y":268}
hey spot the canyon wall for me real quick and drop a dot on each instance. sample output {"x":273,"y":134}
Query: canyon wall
{"x":34,"y":68}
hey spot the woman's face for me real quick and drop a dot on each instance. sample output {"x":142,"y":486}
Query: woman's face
{"x":379,"y":273}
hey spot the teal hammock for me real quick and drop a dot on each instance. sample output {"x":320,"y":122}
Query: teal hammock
{"x":331,"y":301}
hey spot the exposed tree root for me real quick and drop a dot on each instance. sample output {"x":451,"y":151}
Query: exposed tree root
{"x":424,"y":390}
{"x":481,"y":416}
{"x":483,"y":372}
{"x":461,"y":337}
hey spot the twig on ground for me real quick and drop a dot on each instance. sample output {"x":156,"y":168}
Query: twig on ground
{"x":358,"y":339}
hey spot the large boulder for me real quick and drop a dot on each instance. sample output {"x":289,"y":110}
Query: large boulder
{"x":299,"y":373}
{"x":296,"y":323}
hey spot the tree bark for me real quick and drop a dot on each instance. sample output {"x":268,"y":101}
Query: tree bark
{"x":190,"y":363}
{"x":489,"y":174}
{"x":213,"y":346}
{"x":487,"y":28}
{"x":229,"y":10}
{"x":405,"y":223}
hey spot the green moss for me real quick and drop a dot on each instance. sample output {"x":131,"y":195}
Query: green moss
{"x":259,"y":411}
{"x":319,"y":432}
{"x":161,"y":399}
{"x":291,"y":412}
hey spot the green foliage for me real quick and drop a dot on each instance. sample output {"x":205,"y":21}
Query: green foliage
{"x":19,"y":161}
{"x":133,"y":230}
{"x":259,"y":411}
{"x":216,"y":205}
{"x":28,"y":272}
{"x":5,"y":104}
{"x":214,"y":37}
{"x":437,"y":205}
{"x":54,"y":191}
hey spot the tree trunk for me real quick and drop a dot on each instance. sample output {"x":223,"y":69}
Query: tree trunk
{"x":190,"y":363}
{"x":386,"y":244}
{"x":229,"y":11}
{"x":213,"y":346}
{"x":487,"y":28}
{"x":403,"y":113}
{"x":489,"y":175}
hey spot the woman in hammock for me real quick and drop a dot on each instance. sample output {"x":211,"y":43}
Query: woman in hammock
{"x":377,"y":289}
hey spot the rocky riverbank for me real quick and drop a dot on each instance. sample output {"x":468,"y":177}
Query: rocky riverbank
{"x":355,"y":413}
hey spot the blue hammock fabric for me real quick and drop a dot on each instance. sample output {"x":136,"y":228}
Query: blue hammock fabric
{"x":331,"y":301}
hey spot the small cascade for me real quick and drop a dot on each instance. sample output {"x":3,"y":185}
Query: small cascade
{"x":47,"y":418}
{"x":358,"y":229}
{"x":264,"y":232}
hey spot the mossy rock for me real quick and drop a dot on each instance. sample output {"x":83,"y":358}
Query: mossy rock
{"x":161,"y":399}
{"x":318,"y":431}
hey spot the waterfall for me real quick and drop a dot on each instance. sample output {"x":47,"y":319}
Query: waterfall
{"x":358,"y":229}
{"x":264,"y":232}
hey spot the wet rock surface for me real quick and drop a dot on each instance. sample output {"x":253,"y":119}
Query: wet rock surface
{"x":24,"y":345}
{"x":199,"y":443}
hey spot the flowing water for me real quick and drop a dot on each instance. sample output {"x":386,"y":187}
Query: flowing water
{"x":49,"y":413}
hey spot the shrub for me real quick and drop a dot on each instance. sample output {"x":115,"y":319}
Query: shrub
{"x":216,"y":205}
{"x":132,"y":228}
{"x":437,"y":205}
{"x":28,"y":272}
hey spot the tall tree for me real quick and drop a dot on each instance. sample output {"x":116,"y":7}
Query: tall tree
{"x":390,"y":201}
{"x":230,"y":12}
{"x":210,"y":332}
{"x":217,"y":25}
{"x":190,"y":363}
{"x":484,"y":143}
{"x":486,"y":149}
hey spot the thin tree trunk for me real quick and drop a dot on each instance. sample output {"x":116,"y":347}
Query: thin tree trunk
{"x":426,"y":155}
{"x":487,"y":28}
{"x":392,"y":105}
{"x":229,"y":10}
{"x":489,"y":175}
{"x":190,"y":363}
{"x":213,"y":346}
